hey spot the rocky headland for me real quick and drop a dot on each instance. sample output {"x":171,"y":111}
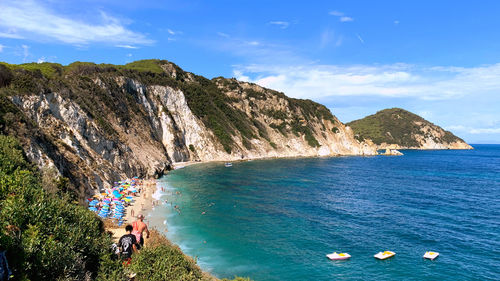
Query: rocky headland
{"x":396,"y":128}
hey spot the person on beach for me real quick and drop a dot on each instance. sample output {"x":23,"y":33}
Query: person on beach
{"x":138,"y":229}
{"x":128,"y":245}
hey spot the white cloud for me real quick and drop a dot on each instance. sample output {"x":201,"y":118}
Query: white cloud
{"x":396,"y":22}
{"x":281,"y":24}
{"x":127,"y":47}
{"x":485,"y":131}
{"x":41,"y":60}
{"x":346,"y":19}
{"x":30,"y":19}
{"x":396,"y":80}
{"x":239,"y":75}
{"x":336,"y":13}
{"x":25,"y":52}
{"x":342,"y":17}
{"x":473,"y":131}
{"x":1,"y":47}
{"x":10,"y":35}
{"x":173,"y":32}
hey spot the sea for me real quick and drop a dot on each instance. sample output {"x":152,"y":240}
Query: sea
{"x":277,"y":219}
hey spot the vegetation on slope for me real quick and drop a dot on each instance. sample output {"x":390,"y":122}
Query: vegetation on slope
{"x":395,"y":126}
{"x":76,"y":81}
{"x":298,"y":120}
{"x":205,"y":99}
{"x":46,"y":237}
{"x":51,"y":237}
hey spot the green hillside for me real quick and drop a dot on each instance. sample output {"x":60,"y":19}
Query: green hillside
{"x":397,"y":126}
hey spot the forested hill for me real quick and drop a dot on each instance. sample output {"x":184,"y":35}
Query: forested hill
{"x":399,"y":129}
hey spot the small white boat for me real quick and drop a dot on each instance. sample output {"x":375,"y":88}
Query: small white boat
{"x":338,"y":256}
{"x":431,"y":255}
{"x":384,"y":255}
{"x":228,"y":164}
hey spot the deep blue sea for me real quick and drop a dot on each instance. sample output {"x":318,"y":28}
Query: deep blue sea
{"x":277,"y":219}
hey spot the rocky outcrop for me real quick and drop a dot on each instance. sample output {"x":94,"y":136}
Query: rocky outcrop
{"x":98,"y":124}
{"x":397,"y":128}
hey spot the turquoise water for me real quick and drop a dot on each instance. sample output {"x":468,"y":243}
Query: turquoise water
{"x":276,"y":219}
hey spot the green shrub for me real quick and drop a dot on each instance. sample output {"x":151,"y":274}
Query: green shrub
{"x":46,"y":237}
{"x":164,"y":262}
{"x":5,"y":76}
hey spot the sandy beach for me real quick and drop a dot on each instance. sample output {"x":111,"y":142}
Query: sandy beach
{"x":141,"y":204}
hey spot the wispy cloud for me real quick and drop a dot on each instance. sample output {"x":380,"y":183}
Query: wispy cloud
{"x":10,"y":35}
{"x":328,"y":38}
{"x":25,"y":52}
{"x":395,"y":81}
{"x":281,"y":24}
{"x":30,"y":19}
{"x":336,"y":13}
{"x":346,"y":19}
{"x":253,"y":43}
{"x":342,"y":17}
{"x":222,"y":34}
{"x":396,"y":22}
{"x":127,"y":47}
{"x":174,"y":32}
{"x":1,"y":48}
{"x":474,"y":131}
{"x":360,"y":39}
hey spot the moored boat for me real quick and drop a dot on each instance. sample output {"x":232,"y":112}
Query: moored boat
{"x":228,"y":164}
{"x":338,"y":256}
{"x":384,"y":255}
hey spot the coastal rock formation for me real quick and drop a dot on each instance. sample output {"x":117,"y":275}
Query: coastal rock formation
{"x":396,"y":128}
{"x":96,"y":124}
{"x":392,"y":152}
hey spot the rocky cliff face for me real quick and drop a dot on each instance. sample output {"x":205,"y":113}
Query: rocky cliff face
{"x":98,"y":123}
{"x":397,"y":128}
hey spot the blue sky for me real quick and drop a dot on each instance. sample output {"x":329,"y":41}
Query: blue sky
{"x":439,"y":59}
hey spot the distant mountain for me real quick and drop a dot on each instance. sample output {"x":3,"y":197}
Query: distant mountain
{"x":397,"y":128}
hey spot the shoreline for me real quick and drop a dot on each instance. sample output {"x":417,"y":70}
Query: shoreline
{"x":142,"y":205}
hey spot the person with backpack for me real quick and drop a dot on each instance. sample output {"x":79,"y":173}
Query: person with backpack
{"x":128,"y":245}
